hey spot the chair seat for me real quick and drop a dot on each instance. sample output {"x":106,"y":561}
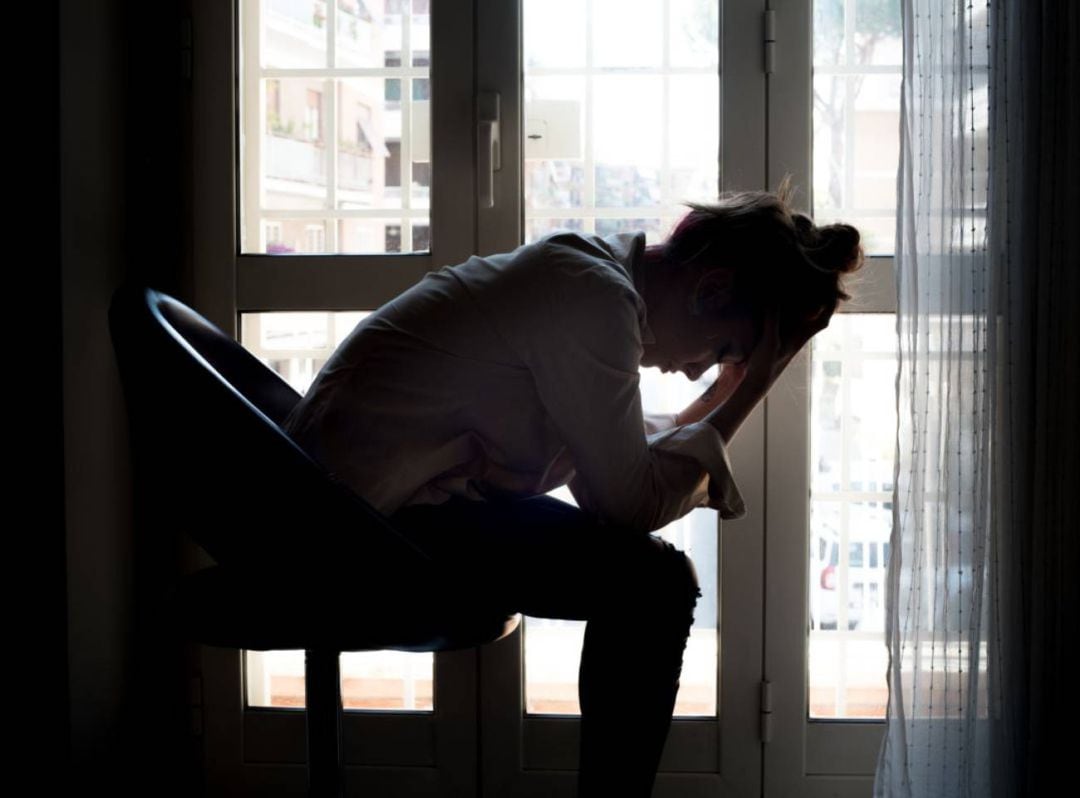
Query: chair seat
{"x":226,"y":607}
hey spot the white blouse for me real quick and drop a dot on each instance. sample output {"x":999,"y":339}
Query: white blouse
{"x":511,"y":375}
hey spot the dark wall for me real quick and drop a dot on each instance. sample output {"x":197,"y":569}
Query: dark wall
{"x":121,"y":138}
{"x":34,"y":479}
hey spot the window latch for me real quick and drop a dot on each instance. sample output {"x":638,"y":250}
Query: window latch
{"x":489,"y":159}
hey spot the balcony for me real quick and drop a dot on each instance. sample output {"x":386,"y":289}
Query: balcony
{"x":296,"y":160}
{"x":296,"y":35}
{"x":355,"y":171}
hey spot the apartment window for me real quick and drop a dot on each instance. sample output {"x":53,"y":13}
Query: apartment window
{"x":314,"y":238}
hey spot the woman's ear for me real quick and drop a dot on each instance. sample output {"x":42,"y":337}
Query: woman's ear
{"x":713,"y":290}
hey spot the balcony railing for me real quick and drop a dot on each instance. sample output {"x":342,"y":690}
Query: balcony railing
{"x":355,"y":171}
{"x":293,"y":159}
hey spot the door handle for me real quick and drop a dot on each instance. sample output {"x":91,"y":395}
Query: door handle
{"x":489,"y":158}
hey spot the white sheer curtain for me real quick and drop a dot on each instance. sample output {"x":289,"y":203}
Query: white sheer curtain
{"x":981,"y":607}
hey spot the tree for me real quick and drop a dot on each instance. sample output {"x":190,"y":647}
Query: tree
{"x":876,"y":21}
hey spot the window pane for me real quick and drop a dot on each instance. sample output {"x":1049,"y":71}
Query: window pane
{"x":695,"y":33}
{"x":294,"y":144}
{"x":588,"y":146}
{"x":625,"y":33}
{"x":627,"y":155}
{"x":329,"y":145}
{"x":296,"y":345}
{"x":554,"y":33}
{"x":857,"y":61}
{"x":852,"y":446}
{"x":295,"y":34}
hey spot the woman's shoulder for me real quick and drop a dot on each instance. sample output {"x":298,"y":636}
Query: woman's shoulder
{"x":567,"y":278}
{"x":578,"y":261}
{"x":616,"y":249}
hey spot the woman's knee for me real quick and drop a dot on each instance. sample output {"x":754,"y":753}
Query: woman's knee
{"x":674,"y":576}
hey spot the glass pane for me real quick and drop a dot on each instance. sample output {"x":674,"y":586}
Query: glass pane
{"x":296,"y":345}
{"x":695,"y":33}
{"x":877,"y":39}
{"x":627,"y":156}
{"x":625,"y":33}
{"x":852,"y":447}
{"x":553,"y":647}
{"x":828,"y":32}
{"x":294,"y":33}
{"x":694,"y":148}
{"x":587,"y":145}
{"x":857,"y":63}
{"x":342,"y":146}
{"x":358,"y":32}
{"x":294,"y":144}
{"x":876,"y":141}
{"x":554,"y":143}
{"x":555,"y":34}
{"x":285,"y":235}
{"x":372,"y":148}
{"x":379,"y":680}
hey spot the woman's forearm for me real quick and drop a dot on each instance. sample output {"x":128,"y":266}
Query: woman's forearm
{"x":729,"y":416}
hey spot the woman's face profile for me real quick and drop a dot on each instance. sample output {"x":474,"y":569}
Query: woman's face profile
{"x":693,"y":344}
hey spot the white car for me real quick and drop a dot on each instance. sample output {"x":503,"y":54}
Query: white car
{"x":868,"y":553}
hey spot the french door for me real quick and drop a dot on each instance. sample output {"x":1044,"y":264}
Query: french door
{"x":341,"y":150}
{"x":610,"y":114}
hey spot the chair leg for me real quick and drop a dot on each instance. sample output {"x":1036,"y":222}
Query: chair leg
{"x":322,"y":685}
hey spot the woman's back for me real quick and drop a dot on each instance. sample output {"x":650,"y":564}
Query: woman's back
{"x":432,"y":395}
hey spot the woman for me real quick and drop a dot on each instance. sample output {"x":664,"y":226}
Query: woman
{"x":454,"y":408}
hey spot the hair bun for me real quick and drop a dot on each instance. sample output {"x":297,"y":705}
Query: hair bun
{"x":833,"y":247}
{"x":804,"y":227}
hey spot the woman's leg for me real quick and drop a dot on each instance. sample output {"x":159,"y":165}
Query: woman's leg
{"x":637,"y":592}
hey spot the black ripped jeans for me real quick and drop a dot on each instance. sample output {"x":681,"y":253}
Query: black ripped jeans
{"x":548,"y":559}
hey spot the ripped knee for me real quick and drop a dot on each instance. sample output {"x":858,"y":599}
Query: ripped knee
{"x":680,"y":575}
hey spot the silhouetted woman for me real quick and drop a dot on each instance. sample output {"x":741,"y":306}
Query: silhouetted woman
{"x":455,"y":407}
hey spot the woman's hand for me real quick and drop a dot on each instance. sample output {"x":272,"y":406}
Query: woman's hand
{"x":779,"y":344}
{"x":767,"y":362}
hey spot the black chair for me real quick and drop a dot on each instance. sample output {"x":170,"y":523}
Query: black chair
{"x":303,"y":562}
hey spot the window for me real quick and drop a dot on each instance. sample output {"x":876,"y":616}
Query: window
{"x":314,"y":238}
{"x":858,"y":55}
{"x":829,"y":421}
{"x":356,"y":175}
{"x":338,"y":142}
{"x":585,"y":167}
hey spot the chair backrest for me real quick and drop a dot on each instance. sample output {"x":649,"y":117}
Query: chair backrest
{"x":208,"y":447}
